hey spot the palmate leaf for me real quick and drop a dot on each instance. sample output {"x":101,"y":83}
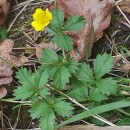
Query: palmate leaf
{"x":44,"y":112}
{"x":44,"y":92}
{"x":23,"y":92}
{"x":39,"y":109}
{"x":85,"y":73}
{"x":80,"y":93}
{"x":59,"y":69}
{"x":96,"y":95}
{"x":41,"y":78}
{"x":107,"y":86}
{"x":57,"y":20}
{"x":31,"y":83}
{"x":62,"y":73}
{"x":79,"y":90}
{"x":61,"y":77}
{"x":74,"y":23}
{"x":63,"y":41}
{"x":63,"y":108}
{"x":72,"y":65}
{"x":26,"y":90}
{"x":102,"y":65}
{"x":49,"y":57}
{"x":96,"y":110}
{"x":24,"y":77}
{"x":47,"y":121}
{"x":56,"y":29}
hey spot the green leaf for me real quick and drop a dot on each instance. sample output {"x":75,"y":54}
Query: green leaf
{"x":44,"y":92}
{"x":79,"y":90}
{"x":51,"y":32}
{"x":96,"y":110}
{"x":31,"y":82}
{"x":41,"y":77}
{"x":85,"y":73}
{"x":39,"y":109}
{"x":62,"y":72}
{"x":102,"y":65}
{"x":24,"y":77}
{"x":3,"y":32}
{"x":23,"y":92}
{"x":59,"y":68}
{"x":26,"y":90}
{"x":49,"y":56}
{"x":71,"y":65}
{"x":63,"y":41}
{"x":74,"y":23}
{"x":47,"y":121}
{"x":44,"y":112}
{"x":79,"y":94}
{"x":107,"y":86}
{"x":63,"y":108}
{"x":57,"y":20}
{"x":61,"y":77}
{"x":96,"y":95}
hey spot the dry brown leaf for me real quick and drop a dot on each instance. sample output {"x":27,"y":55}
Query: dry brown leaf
{"x":3,"y":92}
{"x":7,"y":61}
{"x":125,"y":5}
{"x":126,"y":68}
{"x":100,"y":11}
{"x":84,"y":38}
{"x":4,"y":8}
{"x":98,"y":17}
{"x":117,"y":59}
{"x":121,"y":63}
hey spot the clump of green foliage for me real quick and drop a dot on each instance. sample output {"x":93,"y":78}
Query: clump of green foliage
{"x":59,"y":79}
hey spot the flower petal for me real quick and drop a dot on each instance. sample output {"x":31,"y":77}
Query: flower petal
{"x":45,"y":24}
{"x":39,"y":14}
{"x":41,"y":19}
{"x":37,"y":26}
{"x":48,"y":14}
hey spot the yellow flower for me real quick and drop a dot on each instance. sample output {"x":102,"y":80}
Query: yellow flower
{"x":41,"y":19}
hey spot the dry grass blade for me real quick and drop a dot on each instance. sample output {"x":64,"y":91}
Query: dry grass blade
{"x":17,"y":17}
